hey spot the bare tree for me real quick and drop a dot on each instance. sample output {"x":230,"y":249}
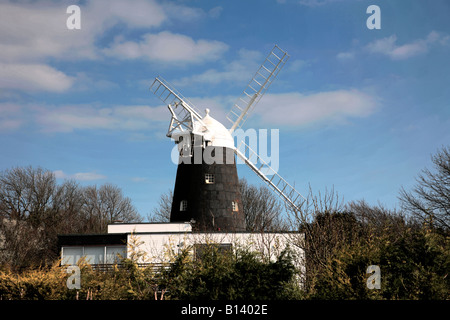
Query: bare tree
{"x":26,"y":193}
{"x":21,"y":244}
{"x":68,"y":204}
{"x":319,"y":219}
{"x":430,"y":198}
{"x":106,"y":205}
{"x":26,"y":215}
{"x":116,"y":205}
{"x":262,"y":208}
{"x":34,"y":210}
{"x":377,"y":219}
{"x":162,"y":212}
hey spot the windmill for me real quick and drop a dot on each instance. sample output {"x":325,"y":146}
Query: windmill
{"x":206,"y":189}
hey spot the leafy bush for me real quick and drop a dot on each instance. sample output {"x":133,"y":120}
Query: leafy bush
{"x":34,"y":284}
{"x":414,"y":265}
{"x":243,"y":275}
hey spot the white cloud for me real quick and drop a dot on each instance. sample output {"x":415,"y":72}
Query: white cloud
{"x":31,"y":32}
{"x":88,"y":176}
{"x":139,"y":179}
{"x":68,"y":118}
{"x":218,"y":106}
{"x":142,"y":112}
{"x":296,"y":65}
{"x":167,"y":47}
{"x":86,"y":82}
{"x":183,"y":13}
{"x":290,"y":109}
{"x":308,"y":3}
{"x":343,"y":56}
{"x":239,"y":71}
{"x":316,"y":3}
{"x":215,"y":12}
{"x":135,"y":13}
{"x":388,"y":46}
{"x":11,"y":116}
{"x":80,"y":176}
{"x":295,"y":109}
{"x":34,"y":31}
{"x":33,"y":77}
{"x":10,"y":124}
{"x":86,"y":117}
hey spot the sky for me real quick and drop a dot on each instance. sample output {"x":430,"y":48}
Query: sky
{"x":358,"y":110}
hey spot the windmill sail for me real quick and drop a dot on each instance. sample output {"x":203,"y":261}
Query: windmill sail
{"x":276,"y":182}
{"x":256,"y":87}
{"x":184,"y":114}
{"x":260,"y":82}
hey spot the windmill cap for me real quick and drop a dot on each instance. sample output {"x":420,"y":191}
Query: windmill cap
{"x":217,"y":133}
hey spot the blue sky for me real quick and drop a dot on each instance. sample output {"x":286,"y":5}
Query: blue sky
{"x":359,"y":110}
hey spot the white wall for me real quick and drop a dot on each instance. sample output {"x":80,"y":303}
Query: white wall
{"x":163,"y":248}
{"x":149,"y":227}
{"x":162,"y":242}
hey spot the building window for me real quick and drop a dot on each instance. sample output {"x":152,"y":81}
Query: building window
{"x":71,"y":255}
{"x":93,"y":254}
{"x":115,"y":254}
{"x":183,"y":205}
{"x":234,"y":204}
{"x":209,"y":178}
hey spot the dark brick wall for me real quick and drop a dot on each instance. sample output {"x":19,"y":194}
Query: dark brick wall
{"x":210,"y":205}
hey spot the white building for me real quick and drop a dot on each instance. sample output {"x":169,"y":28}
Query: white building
{"x":156,"y":243}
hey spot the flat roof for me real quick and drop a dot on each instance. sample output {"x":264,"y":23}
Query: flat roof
{"x":113,"y":223}
{"x":149,"y":227}
{"x":92,"y":239}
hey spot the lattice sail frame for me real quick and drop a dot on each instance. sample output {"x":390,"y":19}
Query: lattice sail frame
{"x":185,"y":117}
{"x":256,"y":88}
{"x":276,"y":182}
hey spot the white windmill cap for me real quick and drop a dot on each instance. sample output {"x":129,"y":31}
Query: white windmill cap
{"x":217,"y":133}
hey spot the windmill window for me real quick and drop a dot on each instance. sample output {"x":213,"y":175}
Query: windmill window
{"x":209,"y":178}
{"x":234,"y":204}
{"x":183,"y":205}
